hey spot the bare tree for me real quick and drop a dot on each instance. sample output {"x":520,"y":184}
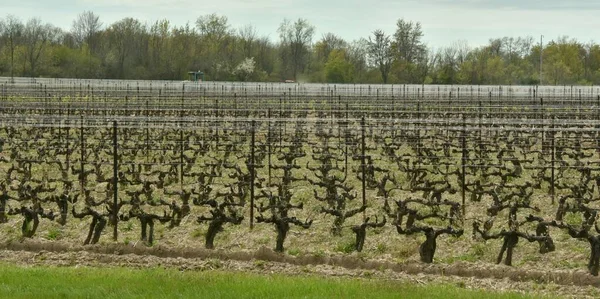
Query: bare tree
{"x":86,"y":29}
{"x":123,"y":39}
{"x":508,"y":48}
{"x":13,"y":32}
{"x":213,"y":27}
{"x":448,"y":64}
{"x":357,"y":55}
{"x":525,"y":45}
{"x":380,"y":53}
{"x":217,"y":44}
{"x":159,"y":36}
{"x":462,"y":50}
{"x":296,"y":39}
{"x":248,"y":36}
{"x":36,"y":36}
{"x":328,"y":43}
{"x":265,"y":55}
{"x":2,"y":28}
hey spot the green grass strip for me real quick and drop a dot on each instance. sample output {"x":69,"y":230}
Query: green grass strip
{"x":52,"y":282}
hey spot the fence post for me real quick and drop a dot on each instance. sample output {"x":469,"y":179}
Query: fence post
{"x":115,"y":181}
{"x":90,"y":101}
{"x":479,"y":126}
{"x":181,"y":153}
{"x":252,"y":173}
{"x":280,"y":123}
{"x":60,"y":119}
{"x":552,"y":163}
{"x":216,"y":122}
{"x":463,"y":163}
{"x":147,"y":130}
{"x":543,"y":129}
{"x":269,"y":143}
{"x":181,"y":147}
{"x":68,"y":154}
{"x":346,"y":141}
{"x":363,"y":168}
{"x":418,"y":127}
{"x":235,"y":106}
{"x":338,"y":116}
{"x":82,"y":161}
{"x":598,"y":119}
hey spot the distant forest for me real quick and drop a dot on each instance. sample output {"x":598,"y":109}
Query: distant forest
{"x":132,"y":49}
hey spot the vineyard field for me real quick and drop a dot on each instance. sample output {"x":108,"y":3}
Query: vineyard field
{"x":406,"y":174}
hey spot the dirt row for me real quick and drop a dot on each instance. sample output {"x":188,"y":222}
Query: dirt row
{"x":463,"y":274}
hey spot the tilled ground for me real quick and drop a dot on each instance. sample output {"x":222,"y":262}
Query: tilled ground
{"x":468,"y":275}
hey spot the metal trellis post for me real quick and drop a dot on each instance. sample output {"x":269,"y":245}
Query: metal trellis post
{"x":252,"y":173}
{"x":463,"y":164}
{"x":115,"y":181}
{"x":363,"y":168}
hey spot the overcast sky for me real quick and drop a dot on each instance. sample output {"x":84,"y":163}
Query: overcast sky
{"x":443,"y":21}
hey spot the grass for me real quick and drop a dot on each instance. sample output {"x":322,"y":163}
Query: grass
{"x":54,"y":234}
{"x":346,"y":246}
{"x":51,"y":282}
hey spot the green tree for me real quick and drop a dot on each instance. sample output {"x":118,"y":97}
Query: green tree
{"x":338,"y":69}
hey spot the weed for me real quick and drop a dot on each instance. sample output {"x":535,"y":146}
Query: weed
{"x":214,"y":264}
{"x":294,"y":252}
{"x":319,"y":253}
{"x":260,"y":264}
{"x":127,"y":227}
{"x":197,"y":233}
{"x":345,"y":247}
{"x":263,"y":241}
{"x":381,"y":248}
{"x":54,"y":234}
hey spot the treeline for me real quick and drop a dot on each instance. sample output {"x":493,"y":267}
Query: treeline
{"x":131,"y":49}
